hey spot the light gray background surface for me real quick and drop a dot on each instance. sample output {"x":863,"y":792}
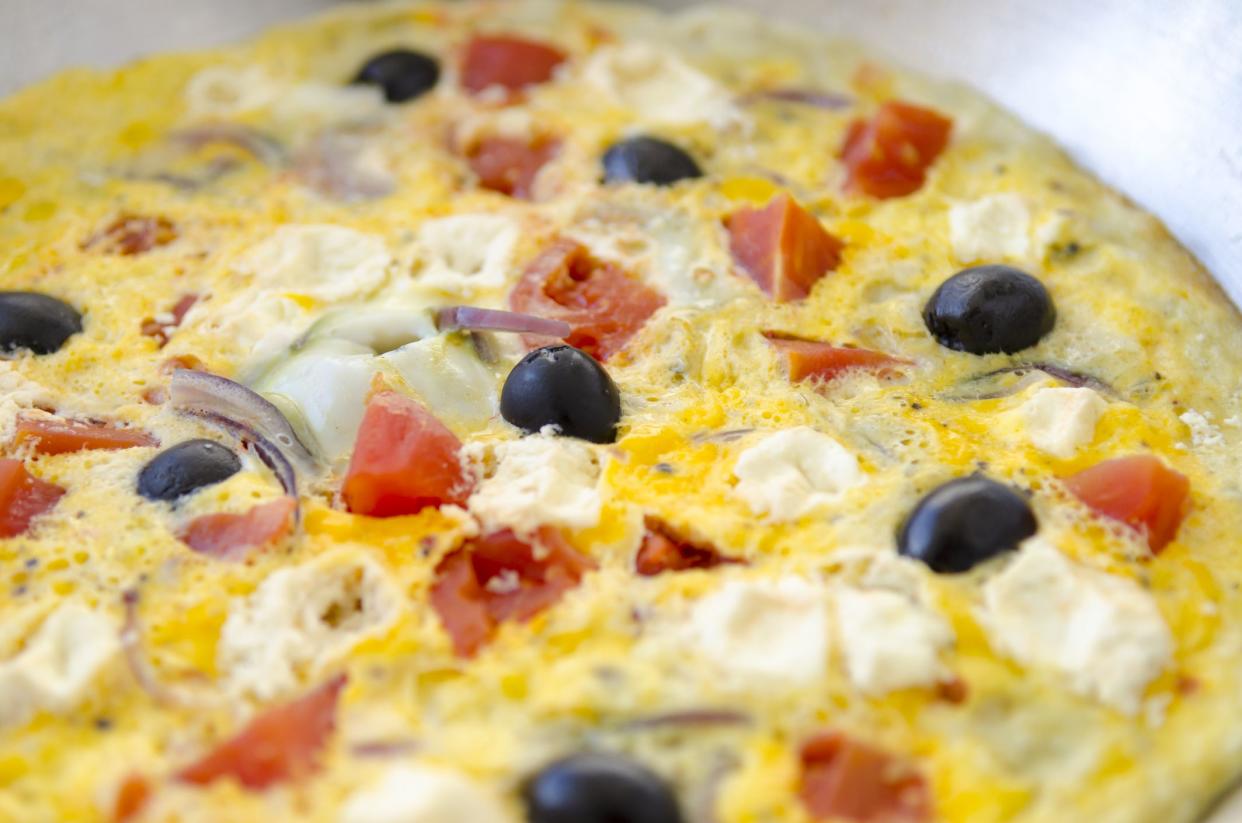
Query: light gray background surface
{"x":1146,"y":93}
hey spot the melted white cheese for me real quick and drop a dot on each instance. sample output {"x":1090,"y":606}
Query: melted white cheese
{"x":659,"y":87}
{"x":764,"y":633}
{"x":1102,"y":632}
{"x":467,"y":253}
{"x":794,"y":473}
{"x":294,"y":273}
{"x":539,"y":480}
{"x":303,"y":618}
{"x":422,"y":794}
{"x":1060,"y":421}
{"x":58,"y":664}
{"x":448,"y":377}
{"x":990,"y":229}
{"x":223,"y":91}
{"x":323,"y":103}
{"x":322,"y":390}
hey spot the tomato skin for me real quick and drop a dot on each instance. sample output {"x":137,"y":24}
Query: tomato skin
{"x":662,"y":551}
{"x":23,"y":497}
{"x":162,"y":330}
{"x":812,"y":359}
{"x":509,"y":165}
{"x":500,"y":577}
{"x":510,"y":62}
{"x":1139,"y":491}
{"x":847,"y":780}
{"x":604,"y":305}
{"x":280,"y":744}
{"x":783,"y":247}
{"x":888,"y":155}
{"x":131,"y":234}
{"x":229,"y":536}
{"x":404,"y":460}
{"x":58,"y":436}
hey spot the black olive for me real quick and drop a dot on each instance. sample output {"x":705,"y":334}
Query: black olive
{"x":39,"y":322}
{"x":648,"y":160}
{"x":988,"y":309}
{"x":401,"y":73}
{"x":185,"y":468}
{"x":563,"y":387}
{"x":964,"y":522}
{"x":599,"y":788}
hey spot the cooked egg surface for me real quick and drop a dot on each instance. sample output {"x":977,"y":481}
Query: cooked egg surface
{"x":317,"y":227}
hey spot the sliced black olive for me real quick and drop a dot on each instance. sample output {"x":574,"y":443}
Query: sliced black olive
{"x":599,"y":788}
{"x":39,"y":322}
{"x":401,"y":73}
{"x":964,"y":522}
{"x":988,"y":309}
{"x":563,"y":387}
{"x":185,"y":468}
{"x":648,"y":160}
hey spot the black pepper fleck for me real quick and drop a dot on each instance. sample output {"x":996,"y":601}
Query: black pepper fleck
{"x":103,"y":724}
{"x":663,"y":468}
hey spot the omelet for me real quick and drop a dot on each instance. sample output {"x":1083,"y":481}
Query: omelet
{"x":546,"y":411}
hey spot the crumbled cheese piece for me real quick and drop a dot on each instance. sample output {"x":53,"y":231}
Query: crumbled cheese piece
{"x":989,"y":229}
{"x":889,"y":640}
{"x":1060,"y":420}
{"x":659,"y":87}
{"x":765,"y":633}
{"x":59,"y":663}
{"x":794,"y":472}
{"x":17,"y":392}
{"x":539,"y":480}
{"x":466,"y":253}
{"x":1202,"y":431}
{"x":328,"y":103}
{"x":1102,"y":631}
{"x":303,"y":618}
{"x":327,"y":263}
{"x":423,"y":794}
{"x":223,"y":91}
{"x":295,"y":271}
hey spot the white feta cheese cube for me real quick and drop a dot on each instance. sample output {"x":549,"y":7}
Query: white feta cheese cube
{"x":539,"y":480}
{"x":303,"y":618}
{"x":794,"y":473}
{"x":990,"y":229}
{"x":1104,"y":633}
{"x":1060,"y":421}
{"x":423,"y":794}
{"x":59,"y":663}
{"x":766,"y":633}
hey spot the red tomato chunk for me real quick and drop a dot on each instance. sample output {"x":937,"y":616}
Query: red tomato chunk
{"x":404,"y":460}
{"x":132,"y":234}
{"x":131,"y":797}
{"x":811,"y":359}
{"x":57,"y":436}
{"x":509,"y":165}
{"x":231,"y":535}
{"x":604,"y":304}
{"x":888,"y":155}
{"x":1140,"y":491}
{"x":500,"y":577}
{"x":281,"y":744}
{"x":509,"y":62}
{"x":662,"y":551}
{"x":162,"y":330}
{"x":783,"y":247}
{"x":23,"y":497}
{"x":846,"y":780}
